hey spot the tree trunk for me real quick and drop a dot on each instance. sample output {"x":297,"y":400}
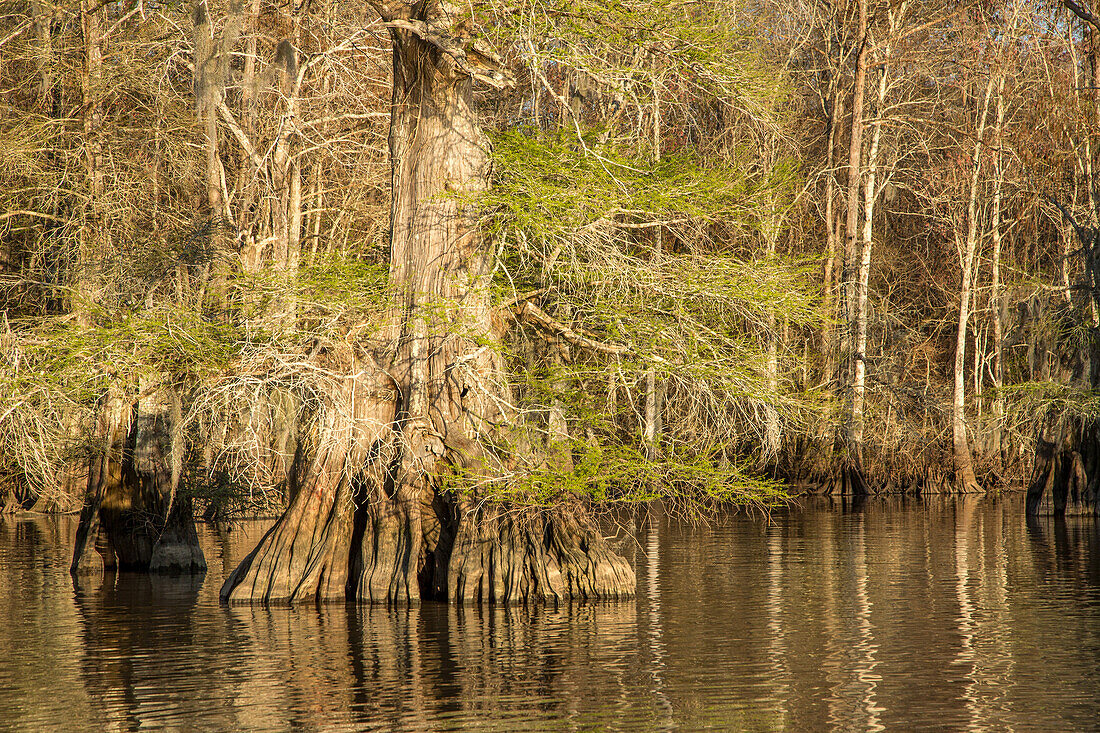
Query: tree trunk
{"x":133,"y":518}
{"x":964,"y":462}
{"x":369,"y":518}
{"x":996,"y":297}
{"x":211,"y":67}
{"x":852,"y":435}
{"x":652,"y":427}
{"x":773,"y":432}
{"x":830,"y":292}
{"x":86,"y":279}
{"x":859,"y":366}
{"x":850,"y":446}
{"x":1066,"y":475}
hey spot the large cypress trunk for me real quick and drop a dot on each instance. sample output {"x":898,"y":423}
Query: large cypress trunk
{"x":369,"y":518}
{"x":1066,"y":475}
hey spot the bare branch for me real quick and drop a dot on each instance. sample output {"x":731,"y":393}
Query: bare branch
{"x":1081,"y":9}
{"x":542,"y":318}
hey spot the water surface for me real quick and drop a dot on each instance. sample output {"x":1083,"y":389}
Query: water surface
{"x":952,"y":615}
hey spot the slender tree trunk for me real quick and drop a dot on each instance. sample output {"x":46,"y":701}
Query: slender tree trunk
{"x":859,"y":376}
{"x":651,"y":428}
{"x":996,"y":297}
{"x":86,"y":280}
{"x":829,"y":346}
{"x":964,"y":462}
{"x":1093,"y":188}
{"x":870,"y":193}
{"x":43,"y":31}
{"x":852,"y":481}
{"x":251,"y":181}
{"x":286,"y":202}
{"x":210,"y":70}
{"x":772,"y":429}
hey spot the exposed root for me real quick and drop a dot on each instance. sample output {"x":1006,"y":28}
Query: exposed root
{"x":371,"y":525}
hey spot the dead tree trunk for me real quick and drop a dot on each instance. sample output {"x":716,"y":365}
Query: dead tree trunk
{"x":370,"y":518}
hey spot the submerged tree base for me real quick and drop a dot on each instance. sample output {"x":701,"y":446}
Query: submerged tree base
{"x":132,"y":518}
{"x":1066,"y":477}
{"x":391,"y":552}
{"x":848,"y":479}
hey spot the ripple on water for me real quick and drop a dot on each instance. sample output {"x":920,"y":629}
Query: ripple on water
{"x":954,"y":616}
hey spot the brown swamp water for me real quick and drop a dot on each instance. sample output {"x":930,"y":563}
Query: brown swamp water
{"x":955,"y":615}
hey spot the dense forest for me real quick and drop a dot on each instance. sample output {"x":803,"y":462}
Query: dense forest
{"x":440,"y":282}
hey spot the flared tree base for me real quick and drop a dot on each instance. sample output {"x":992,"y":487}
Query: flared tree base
{"x":396,"y":552}
{"x":1066,"y":476}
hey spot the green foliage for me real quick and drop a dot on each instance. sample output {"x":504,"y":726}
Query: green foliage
{"x":703,"y":48}
{"x":56,"y":372}
{"x":649,"y":244}
{"x":608,"y":474}
{"x":336,"y":288}
{"x":81,"y":360}
{"x":552,"y":184}
{"x":699,"y":311}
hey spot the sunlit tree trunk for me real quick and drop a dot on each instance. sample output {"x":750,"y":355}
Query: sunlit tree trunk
{"x":86,"y":281}
{"x":964,"y":462}
{"x":870,"y":193}
{"x":851,"y":429}
{"x":996,"y":297}
{"x":286,"y":201}
{"x":369,"y":518}
{"x":211,"y":64}
{"x":829,"y":345}
{"x":652,"y":425}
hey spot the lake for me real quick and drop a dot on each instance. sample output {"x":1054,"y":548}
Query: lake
{"x":948,"y":614}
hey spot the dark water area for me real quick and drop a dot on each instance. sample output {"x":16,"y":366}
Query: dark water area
{"x":952,"y":615}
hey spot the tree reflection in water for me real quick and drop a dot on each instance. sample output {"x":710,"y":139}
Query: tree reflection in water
{"x":141,"y":648}
{"x":900,"y":614}
{"x":411,"y":667}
